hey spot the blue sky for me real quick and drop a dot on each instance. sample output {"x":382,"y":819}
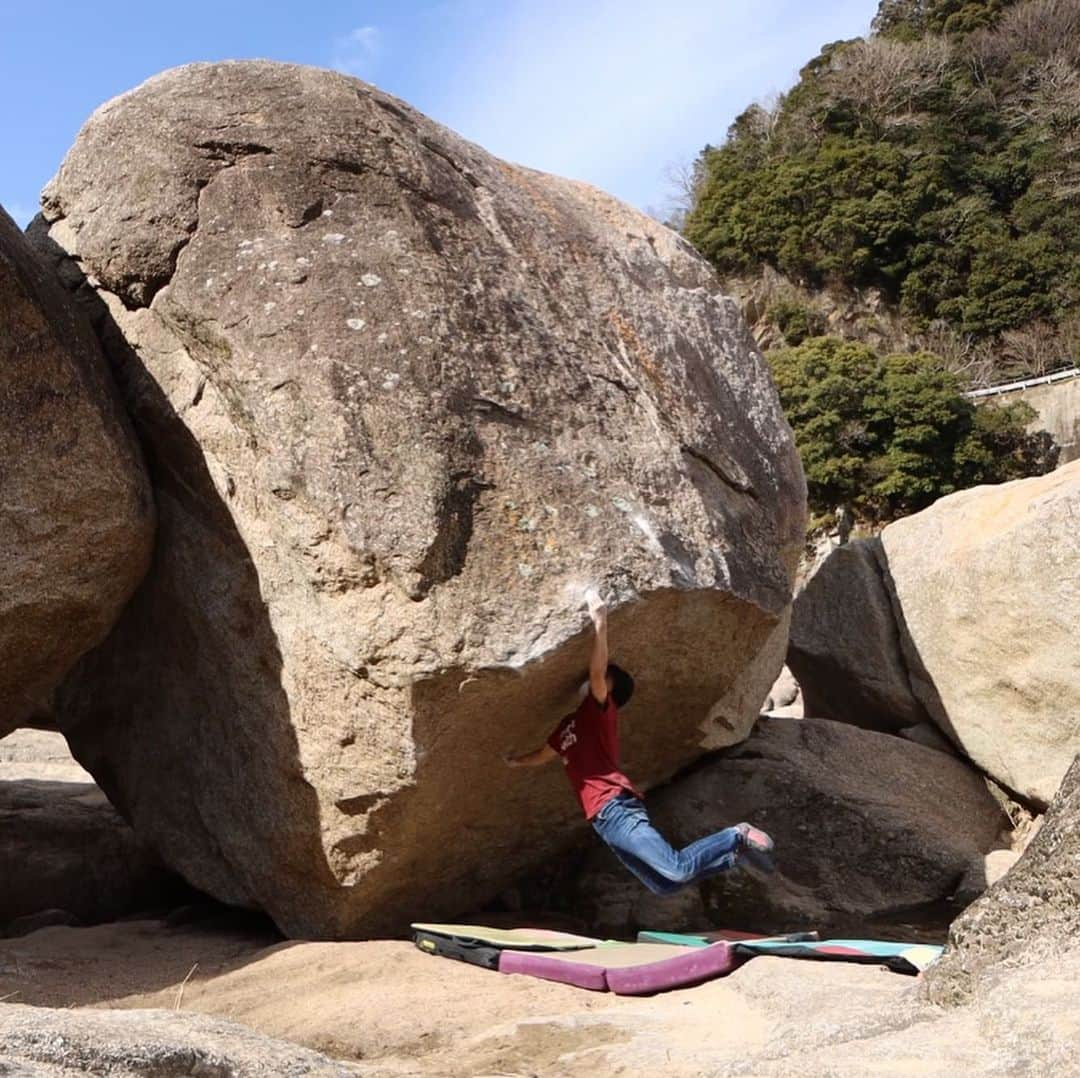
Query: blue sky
{"x":608,"y":91}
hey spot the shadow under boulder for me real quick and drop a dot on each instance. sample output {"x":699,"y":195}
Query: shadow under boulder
{"x":868,"y":828}
{"x":67,"y":855}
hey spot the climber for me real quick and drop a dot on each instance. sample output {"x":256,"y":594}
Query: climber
{"x":588,"y":742}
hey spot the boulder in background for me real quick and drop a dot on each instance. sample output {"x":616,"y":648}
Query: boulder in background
{"x":76,"y":514}
{"x":65,"y":853}
{"x":987,"y":591}
{"x":844,"y":647}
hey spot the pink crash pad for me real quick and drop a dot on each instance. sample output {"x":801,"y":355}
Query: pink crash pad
{"x":630,"y":969}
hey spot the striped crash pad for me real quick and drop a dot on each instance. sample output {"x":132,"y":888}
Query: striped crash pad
{"x":482,"y":946}
{"x":901,"y":957}
{"x":658,"y":961}
{"x":601,"y":965}
{"x":521,"y":939}
{"x":703,"y":939}
{"x":627,"y":969}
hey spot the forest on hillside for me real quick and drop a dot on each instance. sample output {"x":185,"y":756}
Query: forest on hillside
{"x":936,"y":162}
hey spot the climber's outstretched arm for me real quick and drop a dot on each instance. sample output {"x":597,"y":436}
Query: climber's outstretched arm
{"x":542,"y":755}
{"x":598,"y":660}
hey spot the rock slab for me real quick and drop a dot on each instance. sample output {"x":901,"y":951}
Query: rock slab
{"x":987,"y":593}
{"x":1030,"y":916}
{"x":404,"y":403}
{"x":76,"y":514}
{"x":42,"y":1041}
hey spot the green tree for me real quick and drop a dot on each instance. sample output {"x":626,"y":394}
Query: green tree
{"x":909,"y":19}
{"x":888,"y":435}
{"x":937,"y":166}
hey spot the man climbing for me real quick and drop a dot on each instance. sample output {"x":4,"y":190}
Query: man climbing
{"x":588,"y":742}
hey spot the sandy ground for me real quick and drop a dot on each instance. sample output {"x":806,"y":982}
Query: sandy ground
{"x":386,"y":1010}
{"x":389,"y":1010}
{"x":39,"y":755}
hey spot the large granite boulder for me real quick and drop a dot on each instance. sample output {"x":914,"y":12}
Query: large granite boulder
{"x":1031,"y":916}
{"x":404,"y":403}
{"x":866,"y":825}
{"x":844,"y":646}
{"x":987,"y":595}
{"x":76,"y":515}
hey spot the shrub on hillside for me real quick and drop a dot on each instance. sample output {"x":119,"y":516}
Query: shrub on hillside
{"x":889,"y":435}
{"x":941,"y":168}
{"x":908,"y":19}
{"x":795,"y":320}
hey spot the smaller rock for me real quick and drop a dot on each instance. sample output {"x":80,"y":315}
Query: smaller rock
{"x":986,"y":591}
{"x":78,"y":516}
{"x":41,"y":1041}
{"x":1030,"y":916}
{"x":23,"y":926}
{"x":64,"y":847}
{"x":983,"y":874}
{"x":862,"y":832}
{"x":845,"y":648}
{"x":784,"y":693}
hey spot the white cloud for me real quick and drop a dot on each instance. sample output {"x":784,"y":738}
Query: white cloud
{"x":357,"y":52}
{"x":612,"y":91}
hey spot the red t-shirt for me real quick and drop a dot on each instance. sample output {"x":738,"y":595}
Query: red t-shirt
{"x":588,"y":742}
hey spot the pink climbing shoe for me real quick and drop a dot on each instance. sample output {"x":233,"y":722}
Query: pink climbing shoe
{"x":754,"y":838}
{"x":756,"y":847}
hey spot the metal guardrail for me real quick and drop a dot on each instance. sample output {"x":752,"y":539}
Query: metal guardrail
{"x":1027,"y":383}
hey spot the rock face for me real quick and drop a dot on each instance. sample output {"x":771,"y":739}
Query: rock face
{"x":404,"y":402}
{"x":76,"y":516}
{"x":966,"y":614}
{"x":988,"y":593}
{"x":864,"y":315}
{"x":845,"y":648}
{"x":1032,"y":915}
{"x":44,"y":1042}
{"x":865,"y":824}
{"x":785,"y":697}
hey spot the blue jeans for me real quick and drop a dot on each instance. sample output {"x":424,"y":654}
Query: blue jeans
{"x":624,"y":825}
